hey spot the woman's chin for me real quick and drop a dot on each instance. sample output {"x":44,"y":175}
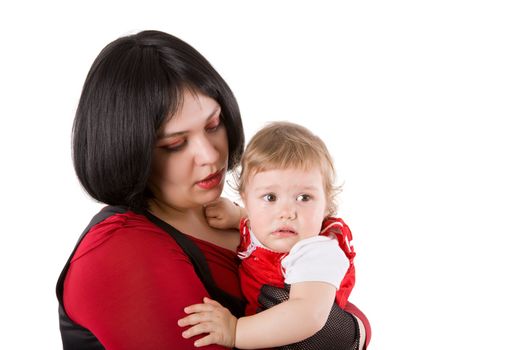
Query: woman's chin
{"x":210,"y":195}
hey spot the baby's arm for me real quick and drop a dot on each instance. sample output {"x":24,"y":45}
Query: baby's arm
{"x":298,"y":318}
{"x":224,"y":214}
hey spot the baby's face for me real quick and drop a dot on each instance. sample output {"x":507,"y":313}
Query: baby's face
{"x":285,"y":206}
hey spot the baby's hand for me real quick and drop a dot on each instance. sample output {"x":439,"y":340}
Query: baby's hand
{"x":223,"y":214}
{"x":211,"y":318}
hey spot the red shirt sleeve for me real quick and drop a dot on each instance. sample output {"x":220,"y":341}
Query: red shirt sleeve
{"x":128,"y":284}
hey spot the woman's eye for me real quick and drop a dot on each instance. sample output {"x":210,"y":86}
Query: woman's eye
{"x":304,"y":197}
{"x":270,"y":197}
{"x":214,"y":126}
{"x":175,"y":146}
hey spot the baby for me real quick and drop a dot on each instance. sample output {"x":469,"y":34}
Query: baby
{"x":296,"y":259}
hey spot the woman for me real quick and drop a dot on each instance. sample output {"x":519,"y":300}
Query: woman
{"x":155,"y":131}
{"x":156,"y":128}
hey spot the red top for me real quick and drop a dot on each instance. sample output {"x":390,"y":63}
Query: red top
{"x":129,"y":281}
{"x":261,"y":266}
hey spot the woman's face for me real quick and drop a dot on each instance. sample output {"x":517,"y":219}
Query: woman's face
{"x":191,"y":155}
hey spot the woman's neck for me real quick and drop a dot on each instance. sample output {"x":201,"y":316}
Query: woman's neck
{"x":177,"y":216}
{"x":192,"y":222}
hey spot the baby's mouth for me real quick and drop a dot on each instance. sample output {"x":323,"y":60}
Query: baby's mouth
{"x":284,"y":231}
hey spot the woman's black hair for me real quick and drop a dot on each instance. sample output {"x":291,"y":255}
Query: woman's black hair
{"x":133,"y":86}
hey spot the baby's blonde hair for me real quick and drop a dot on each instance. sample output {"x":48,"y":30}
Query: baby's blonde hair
{"x":285,"y":145}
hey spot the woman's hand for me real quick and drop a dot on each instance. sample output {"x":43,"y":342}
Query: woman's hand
{"x":223,"y":214}
{"x":209,"y":317}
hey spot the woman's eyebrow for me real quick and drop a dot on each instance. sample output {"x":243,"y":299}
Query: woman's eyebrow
{"x":179,"y":133}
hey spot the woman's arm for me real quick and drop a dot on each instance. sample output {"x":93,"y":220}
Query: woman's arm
{"x":298,"y":318}
{"x":129,"y":288}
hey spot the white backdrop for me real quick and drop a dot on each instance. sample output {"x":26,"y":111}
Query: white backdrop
{"x":421,"y":103}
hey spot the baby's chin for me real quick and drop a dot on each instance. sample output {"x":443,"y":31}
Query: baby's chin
{"x":281,"y":245}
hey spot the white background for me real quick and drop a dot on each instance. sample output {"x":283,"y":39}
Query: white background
{"x":421,"y":103}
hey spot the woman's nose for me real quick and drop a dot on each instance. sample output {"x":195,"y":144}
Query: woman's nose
{"x":205,"y":151}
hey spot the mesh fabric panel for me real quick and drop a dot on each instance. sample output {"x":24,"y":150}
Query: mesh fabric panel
{"x":341,"y":331}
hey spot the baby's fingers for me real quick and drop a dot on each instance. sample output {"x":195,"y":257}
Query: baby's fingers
{"x":214,"y":338}
{"x":198,"y":308}
{"x":215,"y":222}
{"x":207,"y":340}
{"x":197,"y":329}
{"x":208,"y":301}
{"x":193,"y":319}
{"x":213,"y":205}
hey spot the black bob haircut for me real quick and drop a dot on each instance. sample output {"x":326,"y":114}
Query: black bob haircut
{"x":134,"y":85}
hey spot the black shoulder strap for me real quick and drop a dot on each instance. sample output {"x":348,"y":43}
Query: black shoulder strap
{"x":105,"y":213}
{"x":74,"y":336}
{"x":235,"y":305}
{"x":79,"y":338}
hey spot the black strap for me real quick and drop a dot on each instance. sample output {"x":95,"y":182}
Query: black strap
{"x":74,"y":336}
{"x":105,"y":213}
{"x":77,"y":337}
{"x":235,"y":305}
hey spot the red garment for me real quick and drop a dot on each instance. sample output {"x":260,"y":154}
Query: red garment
{"x":354,"y":310}
{"x":129,"y":281}
{"x":261,"y":266}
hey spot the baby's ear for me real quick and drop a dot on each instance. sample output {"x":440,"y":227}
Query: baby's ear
{"x":327,"y":211}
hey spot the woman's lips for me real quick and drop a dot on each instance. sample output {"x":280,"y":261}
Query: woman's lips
{"x":211,"y":181}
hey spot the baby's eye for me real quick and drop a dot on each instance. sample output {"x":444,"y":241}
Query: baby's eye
{"x":304,"y":197}
{"x":269,"y":197}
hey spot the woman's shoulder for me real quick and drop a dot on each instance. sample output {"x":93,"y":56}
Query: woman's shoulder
{"x":121,"y":232}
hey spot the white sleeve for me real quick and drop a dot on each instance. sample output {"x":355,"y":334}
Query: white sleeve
{"x":315,"y":259}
